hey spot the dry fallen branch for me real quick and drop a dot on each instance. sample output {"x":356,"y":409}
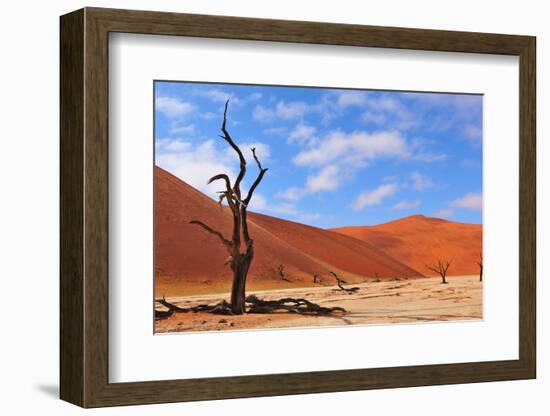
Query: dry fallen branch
{"x":291,"y":305}
{"x":339,"y":283}
{"x":221,"y":308}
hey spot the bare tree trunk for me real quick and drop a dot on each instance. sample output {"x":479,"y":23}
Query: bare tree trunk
{"x":480,"y":264}
{"x":240,"y":267}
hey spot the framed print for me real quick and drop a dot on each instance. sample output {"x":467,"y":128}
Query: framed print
{"x":255,"y":207}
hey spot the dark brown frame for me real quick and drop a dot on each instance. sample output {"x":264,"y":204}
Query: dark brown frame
{"x":84,"y":207}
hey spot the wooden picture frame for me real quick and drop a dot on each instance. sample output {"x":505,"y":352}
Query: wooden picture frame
{"x":84,"y":207}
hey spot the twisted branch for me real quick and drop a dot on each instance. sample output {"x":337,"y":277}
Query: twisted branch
{"x":227,"y":137}
{"x":258,"y":179}
{"x":339,"y":283}
{"x":226,"y":242}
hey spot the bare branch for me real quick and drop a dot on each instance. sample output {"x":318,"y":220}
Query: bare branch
{"x":227,"y":137}
{"x":221,"y":176}
{"x":433,"y":269}
{"x":480,"y":261}
{"x":258,"y":179}
{"x":232,"y":200}
{"x":222,"y":196}
{"x":441,"y":269}
{"x":447,"y":265}
{"x":256,"y":158}
{"x":225,"y":241}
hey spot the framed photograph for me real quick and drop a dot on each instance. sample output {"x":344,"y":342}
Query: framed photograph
{"x":254,"y":207}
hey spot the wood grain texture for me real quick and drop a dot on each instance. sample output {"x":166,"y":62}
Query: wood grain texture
{"x":84,"y":207}
{"x":71,"y":100}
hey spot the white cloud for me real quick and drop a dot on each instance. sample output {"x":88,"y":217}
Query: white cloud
{"x":418,"y":148}
{"x":174,"y":145}
{"x":173,"y":107}
{"x":420,"y":182}
{"x":327,"y":179}
{"x":262,"y":113}
{"x":179,"y":129}
{"x":255,"y":96}
{"x":346,"y":99}
{"x":275,"y":131}
{"x":472,"y":201}
{"x":444,"y":213}
{"x":383,"y":109}
{"x":404,"y":204}
{"x":344,"y":153}
{"x":218,"y":96}
{"x":375,"y":196}
{"x":258,"y":203}
{"x":283,"y":110}
{"x":292,"y":110}
{"x":284,"y":209}
{"x":195,"y":164}
{"x":354,"y":149}
{"x":263,"y":152}
{"x":291,"y":194}
{"x":450,"y":112}
{"x":473,"y":132}
{"x":210,"y":116}
{"x":308,"y":217}
{"x":302,"y":133}
{"x":373,"y":118}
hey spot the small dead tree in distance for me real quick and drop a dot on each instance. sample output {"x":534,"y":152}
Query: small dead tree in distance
{"x":281,"y":272}
{"x":480,"y":264}
{"x":239,"y":260}
{"x":339,"y":283}
{"x":441,"y":269}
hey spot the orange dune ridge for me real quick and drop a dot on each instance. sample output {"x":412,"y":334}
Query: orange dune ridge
{"x":419,"y":241}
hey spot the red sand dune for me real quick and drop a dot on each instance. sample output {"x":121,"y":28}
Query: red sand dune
{"x":186,"y":255}
{"x":419,"y":241}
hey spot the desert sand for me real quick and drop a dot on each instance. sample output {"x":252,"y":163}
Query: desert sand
{"x":377,"y":302}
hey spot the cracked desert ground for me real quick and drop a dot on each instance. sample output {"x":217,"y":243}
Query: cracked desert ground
{"x":385,"y":302}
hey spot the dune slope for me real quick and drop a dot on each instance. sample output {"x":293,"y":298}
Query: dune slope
{"x":419,"y":241}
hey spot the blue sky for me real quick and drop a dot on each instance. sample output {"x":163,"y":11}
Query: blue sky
{"x":336,"y":157}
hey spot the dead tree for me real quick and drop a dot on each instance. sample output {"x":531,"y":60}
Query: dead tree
{"x":239,"y":260}
{"x":339,"y":283}
{"x":441,"y":269}
{"x":281,"y":272}
{"x":315,"y":276}
{"x":480,"y":264}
